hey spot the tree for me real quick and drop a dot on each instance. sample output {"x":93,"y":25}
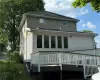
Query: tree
{"x":88,"y":31}
{"x":3,"y":40}
{"x":11,"y":13}
{"x":95,"y":4}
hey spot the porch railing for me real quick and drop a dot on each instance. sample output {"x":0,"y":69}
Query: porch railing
{"x":87,"y":60}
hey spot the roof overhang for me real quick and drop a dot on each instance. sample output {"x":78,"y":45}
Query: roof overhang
{"x":37,"y":31}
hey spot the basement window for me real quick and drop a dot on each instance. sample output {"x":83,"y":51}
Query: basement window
{"x":39,"y":41}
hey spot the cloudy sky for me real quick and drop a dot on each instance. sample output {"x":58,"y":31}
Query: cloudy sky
{"x":89,"y":20}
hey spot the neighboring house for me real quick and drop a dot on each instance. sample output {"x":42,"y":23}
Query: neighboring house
{"x":51,"y":42}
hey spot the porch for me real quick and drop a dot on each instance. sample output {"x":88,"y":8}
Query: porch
{"x":88,"y":59}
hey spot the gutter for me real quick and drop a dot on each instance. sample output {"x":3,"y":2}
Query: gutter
{"x":81,"y":33}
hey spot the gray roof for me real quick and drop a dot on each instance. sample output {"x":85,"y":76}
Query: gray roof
{"x":51,"y":14}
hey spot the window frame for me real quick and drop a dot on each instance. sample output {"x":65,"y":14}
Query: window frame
{"x":45,"y":46}
{"x":65,"y":41}
{"x":42,"y":21}
{"x":54,"y":42}
{"x":59,"y":42}
{"x":39,"y":41}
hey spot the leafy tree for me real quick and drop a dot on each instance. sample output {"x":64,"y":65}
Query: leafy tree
{"x":3,"y":37}
{"x":95,"y":4}
{"x":3,"y":40}
{"x":88,"y":31}
{"x":11,"y":13}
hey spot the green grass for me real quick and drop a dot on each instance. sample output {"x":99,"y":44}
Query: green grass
{"x":23,"y":74}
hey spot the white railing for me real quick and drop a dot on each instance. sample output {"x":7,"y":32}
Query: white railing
{"x":49,"y":58}
{"x":68,"y":58}
{"x":89,"y":52}
{"x":89,"y":62}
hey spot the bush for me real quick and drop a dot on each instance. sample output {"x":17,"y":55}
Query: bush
{"x":9,"y":70}
{"x":15,"y":57}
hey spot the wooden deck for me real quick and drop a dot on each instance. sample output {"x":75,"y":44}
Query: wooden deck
{"x":89,"y":60}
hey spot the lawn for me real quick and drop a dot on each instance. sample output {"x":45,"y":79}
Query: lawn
{"x":22,"y":75}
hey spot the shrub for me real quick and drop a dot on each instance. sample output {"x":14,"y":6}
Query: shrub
{"x":15,"y":56}
{"x":9,"y":70}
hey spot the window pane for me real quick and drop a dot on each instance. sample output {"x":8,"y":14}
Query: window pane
{"x":46,"y":41}
{"x":65,"y":42}
{"x":53,"y":45}
{"x":39,"y":41}
{"x":59,"y":41}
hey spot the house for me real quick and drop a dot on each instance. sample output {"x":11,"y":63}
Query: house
{"x":51,"y":44}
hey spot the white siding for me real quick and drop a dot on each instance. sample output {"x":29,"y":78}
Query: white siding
{"x":26,"y":39}
{"x":74,"y":43}
{"x":80,"y":42}
{"x":29,"y":45}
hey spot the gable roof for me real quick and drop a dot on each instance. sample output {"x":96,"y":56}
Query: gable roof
{"x":46,"y":14}
{"x":51,"y":14}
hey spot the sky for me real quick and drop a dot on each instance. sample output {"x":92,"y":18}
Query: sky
{"x":89,"y":19}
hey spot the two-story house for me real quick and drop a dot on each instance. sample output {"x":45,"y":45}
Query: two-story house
{"x":50,"y":43}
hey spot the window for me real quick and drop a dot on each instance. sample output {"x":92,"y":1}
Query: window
{"x":65,"y":23}
{"x":65,"y":42}
{"x":59,"y":38}
{"x":39,"y":41}
{"x":46,"y":41}
{"x":42,"y":20}
{"x":53,"y":45}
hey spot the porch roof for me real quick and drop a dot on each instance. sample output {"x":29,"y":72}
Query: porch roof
{"x":40,"y":30}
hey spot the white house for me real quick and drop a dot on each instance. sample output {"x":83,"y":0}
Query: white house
{"x":51,"y":42}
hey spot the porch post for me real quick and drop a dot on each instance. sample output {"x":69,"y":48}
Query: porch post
{"x":60,"y":63}
{"x":61,"y":73}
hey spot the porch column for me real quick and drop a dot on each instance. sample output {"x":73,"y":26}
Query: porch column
{"x":60,"y":63}
{"x":61,"y":78}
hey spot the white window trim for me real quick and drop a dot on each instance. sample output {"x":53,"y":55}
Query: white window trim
{"x":42,"y":21}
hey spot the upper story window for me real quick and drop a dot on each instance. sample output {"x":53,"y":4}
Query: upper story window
{"x":65,"y":42}
{"x":42,"y":20}
{"x":65,"y":23}
{"x":53,"y":42}
{"x":46,"y":41}
{"x":39,"y":41}
{"x":59,"y":40}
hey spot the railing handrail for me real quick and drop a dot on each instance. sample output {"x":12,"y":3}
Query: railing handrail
{"x":68,"y":52}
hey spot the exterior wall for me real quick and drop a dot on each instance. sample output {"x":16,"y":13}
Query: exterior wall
{"x":74,"y":43}
{"x":29,"y":46}
{"x":22,"y":39}
{"x":51,"y":24}
{"x":80,"y":42}
{"x":26,"y":39}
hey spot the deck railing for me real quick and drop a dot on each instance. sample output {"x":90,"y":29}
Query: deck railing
{"x":88,"y":61}
{"x":68,"y":58}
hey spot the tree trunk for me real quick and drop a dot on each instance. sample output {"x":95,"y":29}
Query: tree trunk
{"x":14,"y":41}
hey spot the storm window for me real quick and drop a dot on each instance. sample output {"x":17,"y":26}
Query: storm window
{"x":59,"y":39}
{"x":46,"y":41}
{"x":39,"y":41}
{"x":65,"y":42}
{"x":53,"y":45}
